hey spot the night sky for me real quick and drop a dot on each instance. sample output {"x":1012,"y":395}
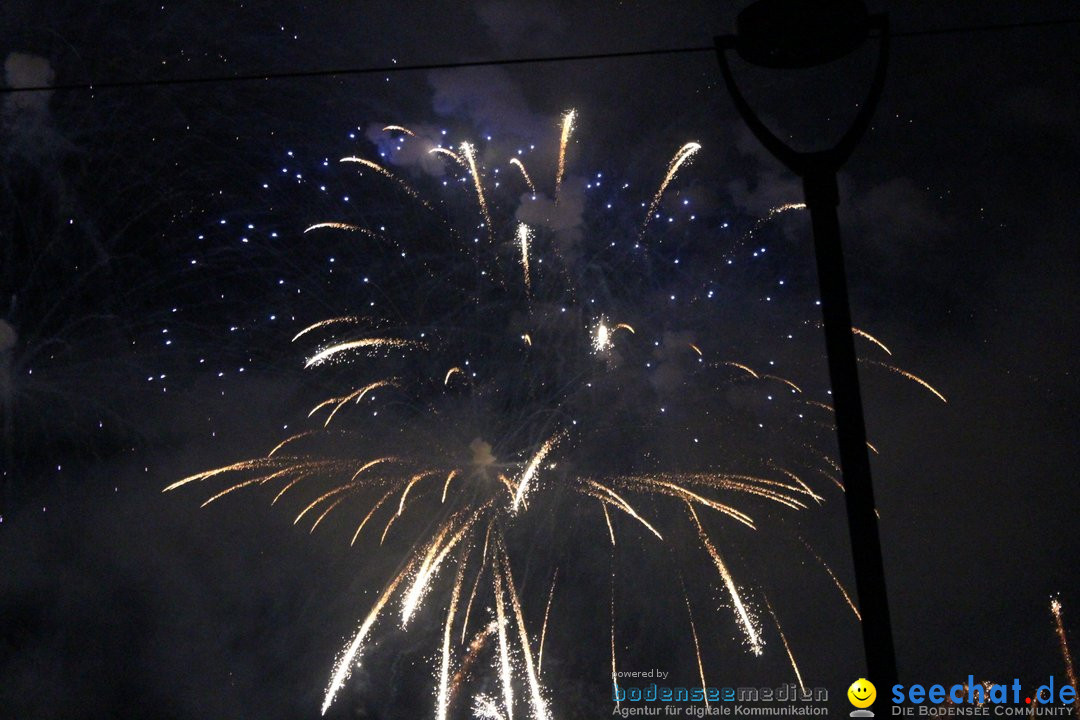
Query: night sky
{"x":154,"y":268}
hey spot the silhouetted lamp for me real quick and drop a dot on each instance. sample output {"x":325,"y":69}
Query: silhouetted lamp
{"x":798,"y":34}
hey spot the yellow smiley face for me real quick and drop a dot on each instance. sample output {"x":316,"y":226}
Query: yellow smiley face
{"x":862,"y":693}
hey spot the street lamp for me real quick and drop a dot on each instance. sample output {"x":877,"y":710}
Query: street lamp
{"x":794,"y":34}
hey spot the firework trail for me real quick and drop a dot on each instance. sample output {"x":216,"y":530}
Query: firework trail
{"x":444,"y":674}
{"x":1066,"y":656}
{"x":539,"y":705}
{"x":409,"y":190}
{"x":614,"y":671}
{"x":524,"y":173}
{"x":753,"y":636}
{"x":328,"y":322}
{"x":374,"y":343}
{"x":547,"y":614}
{"x":686,"y":152}
{"x":448,"y":153}
{"x":523,"y":243}
{"x":744,"y":368}
{"x":469,"y":153}
{"x":607,"y":521}
{"x":531,"y":469}
{"x":564,"y":139}
{"x":348,"y":659}
{"x":871,"y":338}
{"x":836,"y":580}
{"x":769,"y":216}
{"x":787,"y":648}
{"x":697,"y":645}
{"x":909,"y":376}
{"x":505,"y":671}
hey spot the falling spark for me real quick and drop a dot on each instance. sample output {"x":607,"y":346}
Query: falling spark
{"x":871,"y":338}
{"x":228,"y":490}
{"x":625,"y":507}
{"x":450,"y":373}
{"x":539,"y":705}
{"x":446,"y":486}
{"x":387,"y":174}
{"x":326,"y":353}
{"x":484,"y":708}
{"x":444,"y":671}
{"x":400,"y":129}
{"x":607,"y":519}
{"x":348,"y":659}
{"x":685,"y":153}
{"x":823,"y":406}
{"x":836,"y":580}
{"x":669,"y":488}
{"x":324,"y":323}
{"x":614,"y":672}
{"x":356,"y":395}
{"x":783,"y":639}
{"x":773,"y":212}
{"x":317,"y":501}
{"x":697,"y":646}
{"x":504,"y":650}
{"x":909,"y":376}
{"x":743,"y":368}
{"x":470,"y":157}
{"x":696,"y":349}
{"x":1066,"y":656}
{"x":325,"y":513}
{"x":448,"y":153}
{"x":543,"y":629}
{"x":412,"y":481}
{"x":290,"y":439}
{"x":371,"y":512}
{"x":787,"y":382}
{"x":429,"y":567}
{"x":534,"y":465}
{"x":523,"y":242}
{"x":799,"y":481}
{"x":332,"y":226}
{"x":472,"y":596}
{"x":564,"y":138}
{"x":243,"y":465}
{"x":743,"y":616}
{"x":785,"y":208}
{"x":524,"y":174}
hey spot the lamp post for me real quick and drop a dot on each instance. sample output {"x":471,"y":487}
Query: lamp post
{"x":800,"y":34}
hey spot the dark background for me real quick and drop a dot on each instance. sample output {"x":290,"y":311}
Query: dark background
{"x":959,"y":212}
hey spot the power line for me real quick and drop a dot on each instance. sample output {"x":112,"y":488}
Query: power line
{"x":383,"y":70}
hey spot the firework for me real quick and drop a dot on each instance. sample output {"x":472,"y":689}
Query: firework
{"x":471,"y":405}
